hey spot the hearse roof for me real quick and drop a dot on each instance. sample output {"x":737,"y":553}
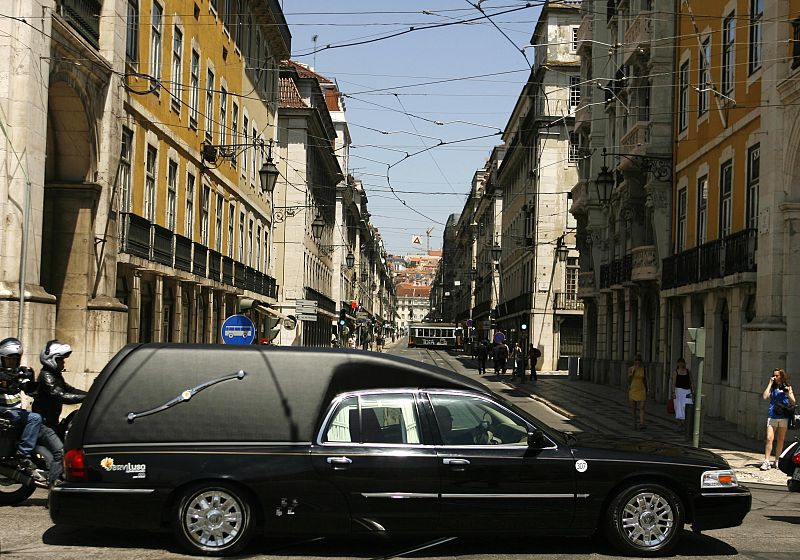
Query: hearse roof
{"x":281,"y":397}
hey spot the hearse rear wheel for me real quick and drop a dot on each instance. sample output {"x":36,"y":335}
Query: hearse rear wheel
{"x":645,"y":520}
{"x":213,"y":520}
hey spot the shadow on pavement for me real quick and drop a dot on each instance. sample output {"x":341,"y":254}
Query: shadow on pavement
{"x":376,"y":547}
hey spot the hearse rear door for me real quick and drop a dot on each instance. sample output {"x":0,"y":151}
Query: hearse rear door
{"x":371,"y":448}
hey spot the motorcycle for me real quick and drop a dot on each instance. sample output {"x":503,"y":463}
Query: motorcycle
{"x":789,"y":464}
{"x":17,"y":486}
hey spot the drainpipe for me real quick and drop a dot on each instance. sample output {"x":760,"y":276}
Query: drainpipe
{"x":24,"y":258}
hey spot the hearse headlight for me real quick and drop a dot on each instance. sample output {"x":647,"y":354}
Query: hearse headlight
{"x":718,"y":479}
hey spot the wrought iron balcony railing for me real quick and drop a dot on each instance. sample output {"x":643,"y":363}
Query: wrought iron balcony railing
{"x":84,"y":17}
{"x":716,"y":259}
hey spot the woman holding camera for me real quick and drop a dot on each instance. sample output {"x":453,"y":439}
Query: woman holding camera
{"x":780,"y":396}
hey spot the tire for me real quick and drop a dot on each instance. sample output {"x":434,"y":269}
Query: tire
{"x":793,"y":485}
{"x":644,"y":520}
{"x":213,"y":519}
{"x":13,"y":493}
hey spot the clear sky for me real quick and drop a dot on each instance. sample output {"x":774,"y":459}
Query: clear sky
{"x":390,"y":101}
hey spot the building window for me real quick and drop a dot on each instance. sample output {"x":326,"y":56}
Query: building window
{"x":703,"y":81}
{"x":132,"y":32}
{"x":189,"y":232}
{"x":574,"y":148}
{"x":728,"y":45}
{"x":573,"y":46}
{"x":574,"y":93}
{"x":253,"y":167}
{"x":223,"y":116}
{"x":257,"y":264}
{"x":194,"y":89}
{"x":571,"y":284}
{"x":753,"y":172}
{"x":172,"y":189}
{"x":795,"y":43}
{"x":702,"y":209}
{"x":756,"y":16}
{"x":250,"y":244}
{"x":218,"y":228}
{"x":725,"y":198}
{"x":204,"y":215}
{"x":209,"y":105}
{"x":683,"y":98}
{"x":150,"y":184}
{"x":177,"y":68}
{"x":231,"y":221}
{"x":266,"y":249}
{"x":234,"y":131}
{"x":125,"y":170}
{"x":241,"y":237}
{"x":680,"y":229}
{"x":245,"y":122}
{"x":155,"y":42}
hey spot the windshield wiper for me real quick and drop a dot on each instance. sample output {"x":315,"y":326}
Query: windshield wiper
{"x":185,"y":395}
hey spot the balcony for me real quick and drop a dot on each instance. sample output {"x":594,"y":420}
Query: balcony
{"x":637,"y":37}
{"x":83,"y":16}
{"x":585,"y":35}
{"x":583,"y":116}
{"x":567,"y":301}
{"x":636,"y":140}
{"x":586,"y":286}
{"x":644,"y":266}
{"x":733,"y":254}
{"x":140,"y":238}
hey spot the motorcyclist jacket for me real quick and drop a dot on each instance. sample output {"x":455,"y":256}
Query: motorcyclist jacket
{"x":12,"y":383}
{"x":52,"y":393}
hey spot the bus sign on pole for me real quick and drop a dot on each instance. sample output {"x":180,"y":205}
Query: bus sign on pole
{"x":238,"y":329}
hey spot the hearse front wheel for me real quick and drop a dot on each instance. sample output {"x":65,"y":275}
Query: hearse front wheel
{"x":645,"y":520}
{"x":213,"y":520}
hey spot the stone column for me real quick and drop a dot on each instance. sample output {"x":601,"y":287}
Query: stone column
{"x":158,"y":308}
{"x":134,"y":306}
{"x":177,"y":323}
{"x":210,"y":313}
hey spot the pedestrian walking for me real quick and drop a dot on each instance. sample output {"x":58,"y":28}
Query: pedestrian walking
{"x":502,"y":357}
{"x":496,"y":357}
{"x":519,"y":362}
{"x":637,"y":391}
{"x":781,"y":400}
{"x":379,"y":341}
{"x":533,"y":355}
{"x":483,"y":355}
{"x":682,"y":391}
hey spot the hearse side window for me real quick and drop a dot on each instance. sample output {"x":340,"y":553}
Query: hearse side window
{"x":466,"y":420}
{"x":377,"y":418}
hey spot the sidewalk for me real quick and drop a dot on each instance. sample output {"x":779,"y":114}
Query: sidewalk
{"x":593,"y":408}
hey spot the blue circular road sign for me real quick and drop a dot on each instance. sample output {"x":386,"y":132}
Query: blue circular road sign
{"x":238,"y":329}
{"x":499,"y":337}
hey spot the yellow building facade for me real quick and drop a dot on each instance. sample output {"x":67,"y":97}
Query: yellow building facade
{"x":200,"y":118}
{"x":730,"y":269}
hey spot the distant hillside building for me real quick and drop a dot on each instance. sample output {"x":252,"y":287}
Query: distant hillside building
{"x":412,"y":303}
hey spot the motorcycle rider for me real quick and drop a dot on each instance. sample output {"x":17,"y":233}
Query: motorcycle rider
{"x":53,"y":391}
{"x":14,"y":379}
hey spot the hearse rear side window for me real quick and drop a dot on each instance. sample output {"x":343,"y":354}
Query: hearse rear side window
{"x":376,"y":419}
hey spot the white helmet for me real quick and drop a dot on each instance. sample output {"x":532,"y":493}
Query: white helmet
{"x":52,"y":350}
{"x":10,"y":347}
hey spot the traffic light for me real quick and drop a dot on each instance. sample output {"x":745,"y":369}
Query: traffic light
{"x":524,"y":326}
{"x":342,"y":317}
{"x":245,"y":304}
{"x":697,"y":341}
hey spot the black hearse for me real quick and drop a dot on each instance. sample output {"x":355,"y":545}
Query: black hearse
{"x":219,"y":442}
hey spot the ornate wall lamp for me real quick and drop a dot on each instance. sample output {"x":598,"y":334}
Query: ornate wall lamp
{"x":268,"y":174}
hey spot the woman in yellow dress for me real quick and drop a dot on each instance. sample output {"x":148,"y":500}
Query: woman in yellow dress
{"x":637,"y":391}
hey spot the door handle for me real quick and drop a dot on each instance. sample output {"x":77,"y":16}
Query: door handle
{"x":456,"y":463}
{"x":339,"y":461}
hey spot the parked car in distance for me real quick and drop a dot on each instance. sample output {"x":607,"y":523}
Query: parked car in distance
{"x":217,"y":443}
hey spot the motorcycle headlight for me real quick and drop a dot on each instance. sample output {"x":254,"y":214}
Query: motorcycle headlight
{"x":718,"y":479}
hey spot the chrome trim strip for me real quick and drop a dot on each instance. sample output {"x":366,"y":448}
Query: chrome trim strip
{"x":582,"y":495}
{"x":504,"y":496}
{"x":198,"y":445}
{"x":398,"y":495}
{"x":707,"y":467}
{"x":725,"y":495}
{"x":91,"y":490}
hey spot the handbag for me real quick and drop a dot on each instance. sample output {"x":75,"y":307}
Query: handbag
{"x":671,"y":406}
{"x":784,"y":411}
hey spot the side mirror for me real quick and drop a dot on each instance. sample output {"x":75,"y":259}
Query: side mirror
{"x":536,"y":439}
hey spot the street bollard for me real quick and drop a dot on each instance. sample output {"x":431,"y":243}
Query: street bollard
{"x":689,"y":423}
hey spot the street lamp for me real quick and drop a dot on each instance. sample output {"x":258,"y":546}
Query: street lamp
{"x":562,"y":251}
{"x":350,"y":259}
{"x":497,"y":252}
{"x":268,"y":173}
{"x":317,"y":226}
{"x":604,"y":185}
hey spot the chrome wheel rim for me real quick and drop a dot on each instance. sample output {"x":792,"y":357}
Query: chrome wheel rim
{"x":647,"y":520}
{"x":213,"y":519}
